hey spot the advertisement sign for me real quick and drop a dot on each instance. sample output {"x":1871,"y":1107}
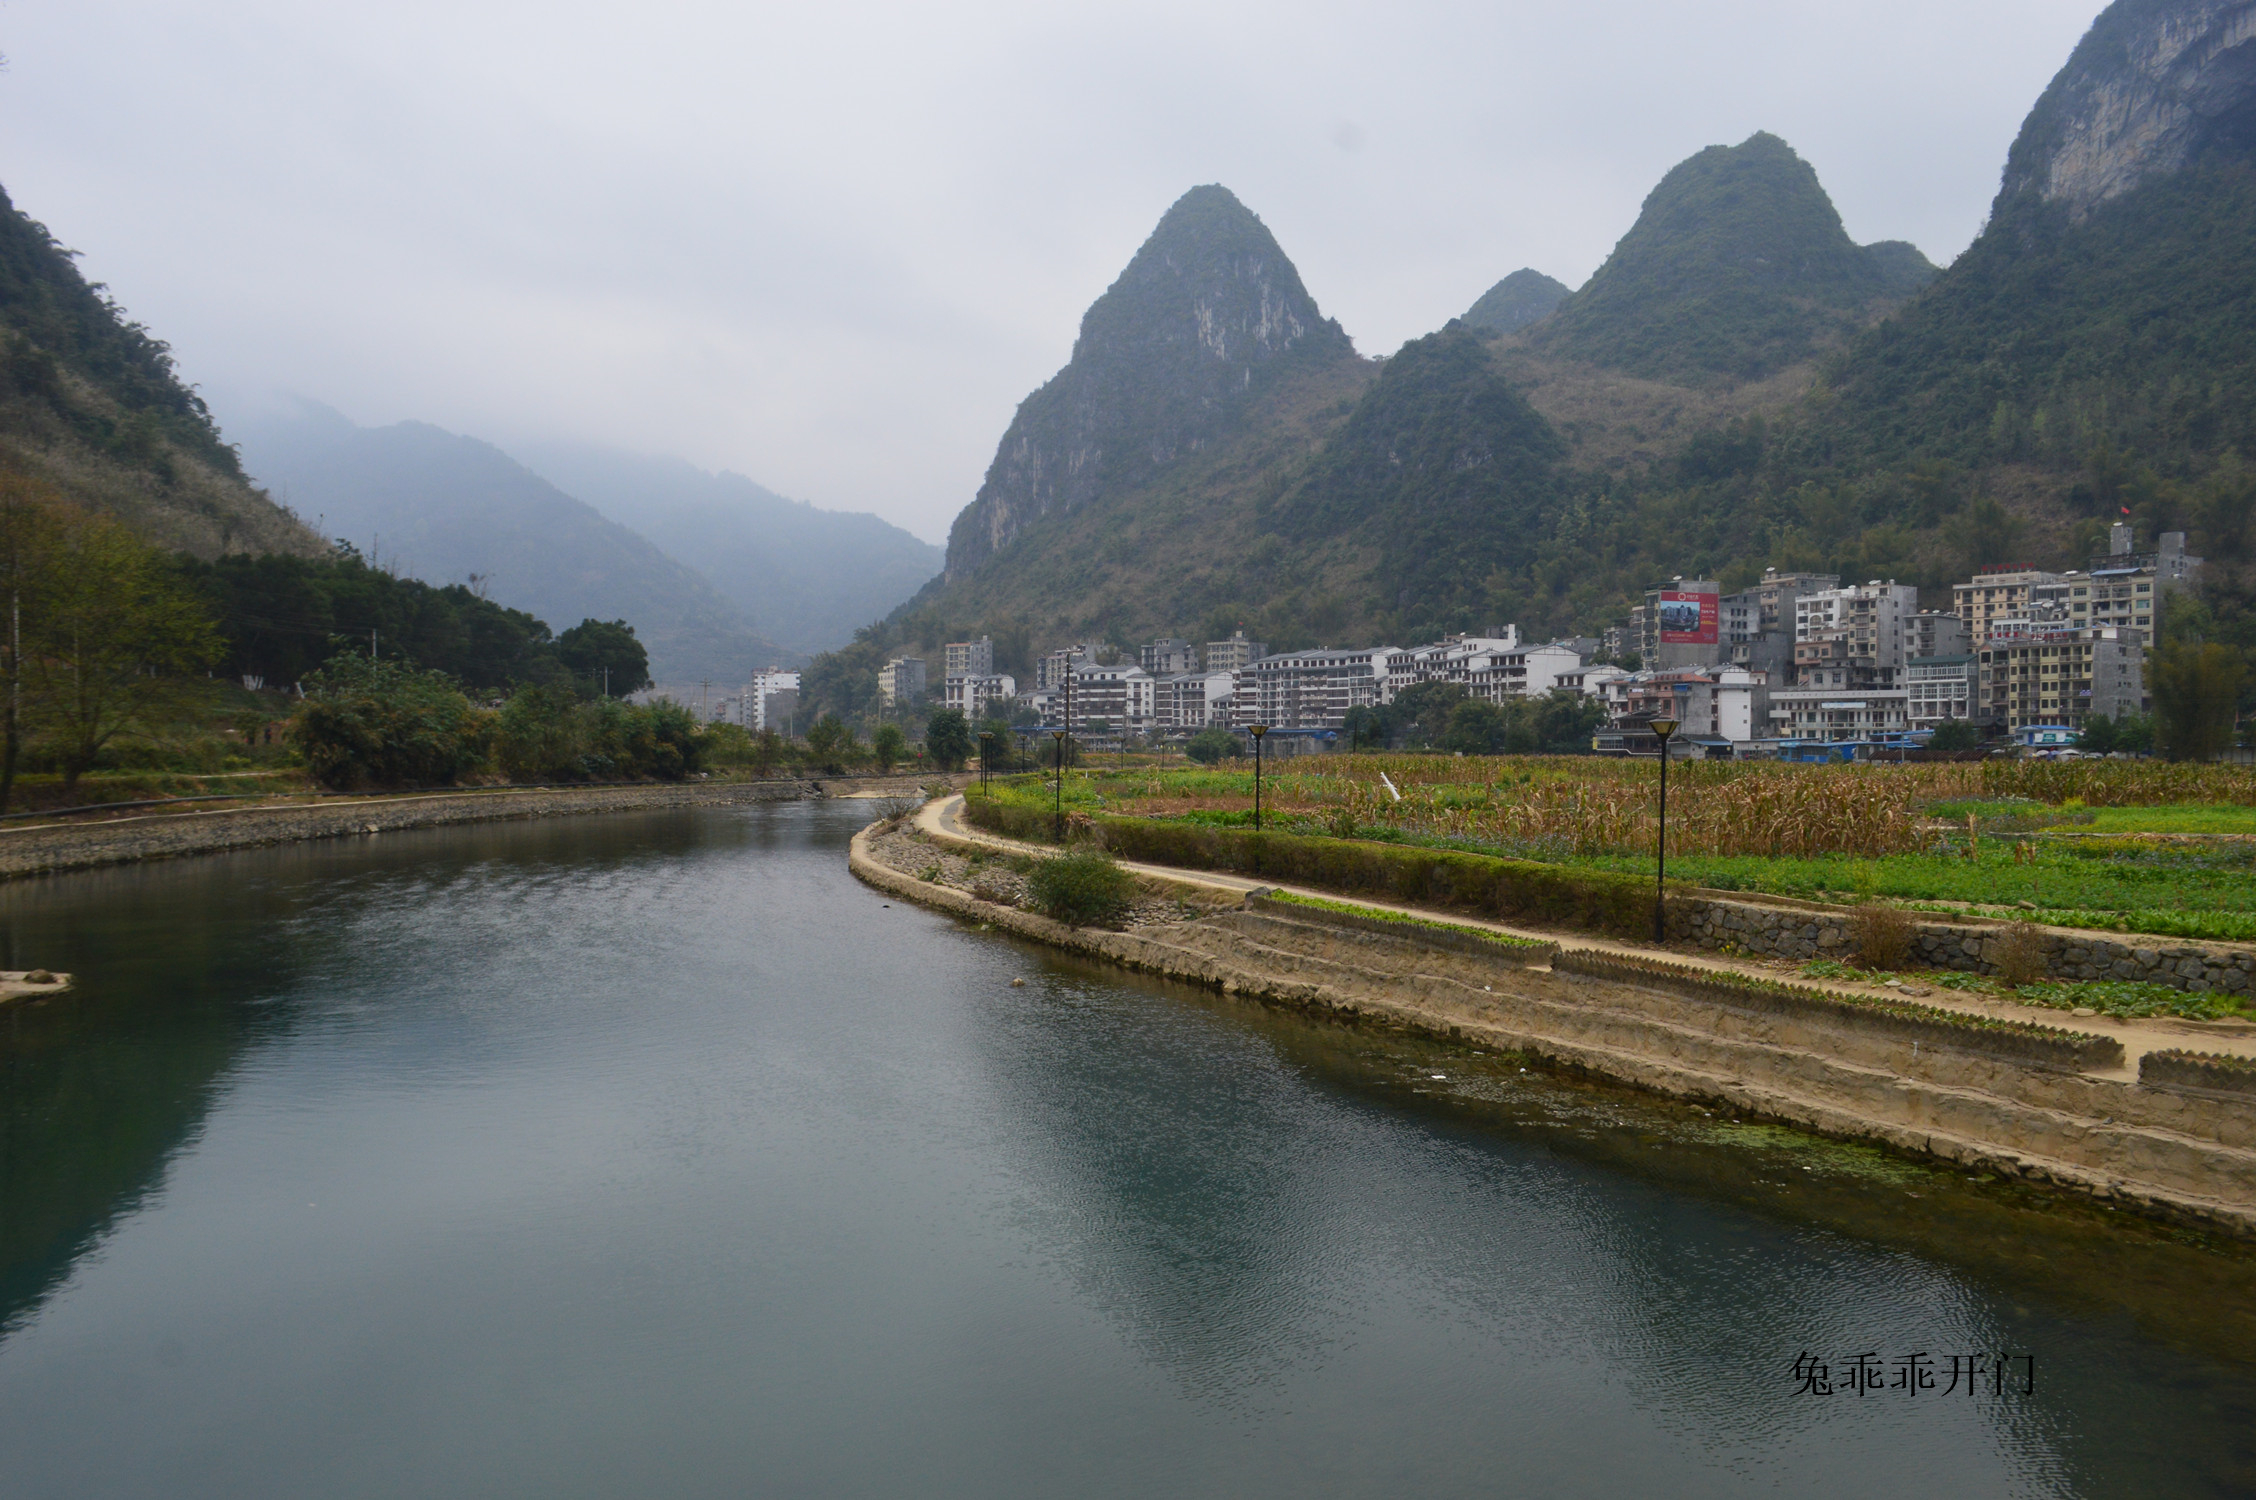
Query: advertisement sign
{"x":1689,"y":619}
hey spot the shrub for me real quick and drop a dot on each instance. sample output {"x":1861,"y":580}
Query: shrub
{"x":2021,"y":955}
{"x":1211,"y":744}
{"x":1085,"y":888}
{"x":387,"y":723}
{"x":1594,"y":900}
{"x":1883,"y":935}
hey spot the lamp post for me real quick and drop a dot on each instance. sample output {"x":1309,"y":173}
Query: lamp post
{"x":986,"y":754}
{"x":1664,"y":728}
{"x":1257,"y":731}
{"x":1058,"y":800}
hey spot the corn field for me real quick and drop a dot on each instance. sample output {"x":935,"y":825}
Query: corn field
{"x":1568,"y":806}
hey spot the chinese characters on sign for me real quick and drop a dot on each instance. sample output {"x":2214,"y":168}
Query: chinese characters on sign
{"x":1689,"y":618}
{"x":1914,"y":1374}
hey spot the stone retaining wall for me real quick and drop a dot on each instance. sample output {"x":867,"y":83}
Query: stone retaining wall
{"x":1789,"y":932}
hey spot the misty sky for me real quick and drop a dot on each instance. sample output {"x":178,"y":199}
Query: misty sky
{"x":832,"y":246}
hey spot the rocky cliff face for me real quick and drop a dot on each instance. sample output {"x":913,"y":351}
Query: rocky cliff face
{"x":1202,"y":321}
{"x":2153,"y":86}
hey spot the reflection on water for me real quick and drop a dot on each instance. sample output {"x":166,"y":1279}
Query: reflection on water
{"x":653,"y":1153}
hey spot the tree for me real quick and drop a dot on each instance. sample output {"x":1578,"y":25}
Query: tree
{"x":767,"y":752}
{"x":830,"y":743}
{"x":388,"y":723}
{"x":27,"y":524}
{"x":1965,"y":734}
{"x":114,"y":636}
{"x":1365,"y":727}
{"x":888,"y":745}
{"x":1211,"y":745}
{"x":2196,"y":693}
{"x":947,"y":738}
{"x":1475,"y":727}
{"x":604,"y":657}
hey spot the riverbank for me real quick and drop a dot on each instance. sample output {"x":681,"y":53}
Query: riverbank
{"x":2115,"y":1112}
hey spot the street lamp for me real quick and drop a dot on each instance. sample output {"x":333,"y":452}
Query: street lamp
{"x":986,"y":754}
{"x":1058,"y":801}
{"x":1664,"y":728}
{"x":1257,"y":731}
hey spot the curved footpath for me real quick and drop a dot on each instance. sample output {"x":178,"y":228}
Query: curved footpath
{"x":2077,"y":1114}
{"x":46,"y":848}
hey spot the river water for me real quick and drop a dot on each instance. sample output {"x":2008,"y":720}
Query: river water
{"x":652,"y":1154}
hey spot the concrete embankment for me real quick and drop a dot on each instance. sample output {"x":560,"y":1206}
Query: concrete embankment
{"x":2030,"y":1102}
{"x":50,"y":848}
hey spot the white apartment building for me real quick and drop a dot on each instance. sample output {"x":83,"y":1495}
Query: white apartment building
{"x":1101,"y":701}
{"x":1530,"y":671}
{"x":1454,"y":658}
{"x":1939,"y":688}
{"x":1310,"y":689}
{"x":1190,"y":701}
{"x":771,"y":701}
{"x":2002,"y":592}
{"x":1829,"y":714}
{"x":1726,"y":703}
{"x":974,"y":694}
{"x":1050,"y":671}
{"x":1168,"y":658}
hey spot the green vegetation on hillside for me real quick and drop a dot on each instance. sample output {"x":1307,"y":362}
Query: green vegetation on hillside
{"x":91,"y":404}
{"x":1737,"y":266}
{"x":1526,"y":296}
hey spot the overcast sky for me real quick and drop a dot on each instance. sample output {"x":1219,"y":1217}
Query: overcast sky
{"x":831,"y":246}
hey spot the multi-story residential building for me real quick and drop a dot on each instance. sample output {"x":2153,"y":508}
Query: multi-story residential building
{"x":1853,"y":637}
{"x":771,"y":701}
{"x":1050,"y":672}
{"x":968,"y":658}
{"x":2127,"y":587}
{"x":1617,"y":641}
{"x":975,"y":695}
{"x":900,"y":682}
{"x":1453,"y":658}
{"x":1189,"y":701}
{"x":1939,"y":688}
{"x":1837,"y":715}
{"x":1934,"y":632}
{"x":1711,"y":703}
{"x":2060,"y":676}
{"x":1681,"y":625}
{"x":1236,"y":652}
{"x":2002,"y":591}
{"x":1774,"y":597}
{"x":1529,"y":671}
{"x":1168,"y":658}
{"x":1310,"y":689}
{"x":1100,"y":702}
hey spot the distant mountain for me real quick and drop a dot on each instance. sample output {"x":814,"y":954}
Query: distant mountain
{"x":805,"y":578}
{"x":2111,"y":300}
{"x":1736,"y":267}
{"x":91,"y":403}
{"x":451,"y":509}
{"x":1524,"y":297}
{"x":1208,"y":317}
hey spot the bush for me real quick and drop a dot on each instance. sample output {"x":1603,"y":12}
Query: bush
{"x":1884,"y":935}
{"x":1086,"y":888}
{"x":387,"y":723}
{"x":549,"y":734}
{"x":1593,"y":900}
{"x":2021,"y":955}
{"x":1211,"y":744}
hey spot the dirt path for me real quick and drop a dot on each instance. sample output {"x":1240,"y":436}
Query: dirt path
{"x":943,"y":818}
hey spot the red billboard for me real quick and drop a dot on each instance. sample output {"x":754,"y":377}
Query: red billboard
{"x":1689,"y":619}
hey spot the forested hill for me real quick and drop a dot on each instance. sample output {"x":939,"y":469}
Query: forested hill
{"x":90,"y":403}
{"x":1736,"y":268}
{"x":1208,"y":319}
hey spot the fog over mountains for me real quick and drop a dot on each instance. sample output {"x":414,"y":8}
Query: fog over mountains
{"x":774,"y":580}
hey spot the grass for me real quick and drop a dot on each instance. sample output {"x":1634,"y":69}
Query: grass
{"x":1502,"y":939}
{"x":2075,"y":862}
{"x":2176,"y":818}
{"x":2110,"y":997}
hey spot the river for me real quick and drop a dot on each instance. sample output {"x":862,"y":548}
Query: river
{"x":652,"y":1154}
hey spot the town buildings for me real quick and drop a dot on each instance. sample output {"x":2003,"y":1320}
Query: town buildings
{"x":771,"y":701}
{"x":900,"y":682}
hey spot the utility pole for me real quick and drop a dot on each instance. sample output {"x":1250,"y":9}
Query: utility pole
{"x":372,"y":643}
{"x":703,"y":684}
